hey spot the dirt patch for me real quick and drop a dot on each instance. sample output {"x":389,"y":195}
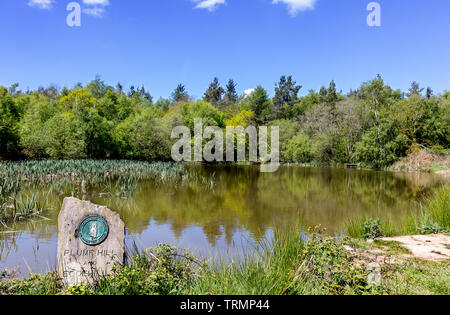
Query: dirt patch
{"x":445,"y":173}
{"x":423,"y":161}
{"x":365,"y":257}
{"x":428,"y":247}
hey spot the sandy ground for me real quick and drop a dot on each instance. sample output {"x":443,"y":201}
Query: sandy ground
{"x":429,"y":247}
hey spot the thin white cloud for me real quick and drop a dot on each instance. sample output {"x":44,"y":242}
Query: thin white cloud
{"x":96,"y":2}
{"x":41,"y":4}
{"x":295,"y":6}
{"x":98,"y":12}
{"x":210,"y":5}
{"x":97,"y":7}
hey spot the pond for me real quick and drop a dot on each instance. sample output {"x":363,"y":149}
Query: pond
{"x":242,"y":207}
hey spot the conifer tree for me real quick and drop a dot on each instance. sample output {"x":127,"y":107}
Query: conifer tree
{"x":214,"y":92}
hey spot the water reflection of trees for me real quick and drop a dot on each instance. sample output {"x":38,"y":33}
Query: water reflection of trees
{"x":244,"y":198}
{"x":32,"y":231}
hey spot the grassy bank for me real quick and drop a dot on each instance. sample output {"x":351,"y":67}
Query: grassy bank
{"x":291,"y":264}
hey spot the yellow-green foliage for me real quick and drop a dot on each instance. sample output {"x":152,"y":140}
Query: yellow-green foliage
{"x":244,"y":118}
{"x":374,"y":127}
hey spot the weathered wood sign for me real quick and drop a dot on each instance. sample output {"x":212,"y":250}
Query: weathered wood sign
{"x":91,"y":239}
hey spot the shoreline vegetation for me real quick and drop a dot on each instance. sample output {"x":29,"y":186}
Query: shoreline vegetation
{"x":292,"y":262}
{"x":25,"y":186}
{"x":432,"y":218}
{"x":373,"y":126}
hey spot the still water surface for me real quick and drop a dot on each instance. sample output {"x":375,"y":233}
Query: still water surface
{"x":244,"y":207}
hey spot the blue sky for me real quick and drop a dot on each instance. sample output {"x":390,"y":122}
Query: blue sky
{"x":160,"y":43}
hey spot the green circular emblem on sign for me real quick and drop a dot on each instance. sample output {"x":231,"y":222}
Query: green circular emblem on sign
{"x":93,"y":230}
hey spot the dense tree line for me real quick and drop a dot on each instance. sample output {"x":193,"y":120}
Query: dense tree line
{"x":373,"y":125}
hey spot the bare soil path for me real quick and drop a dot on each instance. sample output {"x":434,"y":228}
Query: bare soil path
{"x":434,"y":247}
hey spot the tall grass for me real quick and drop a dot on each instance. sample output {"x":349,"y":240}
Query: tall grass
{"x":56,"y":173}
{"x":369,"y":227}
{"x":93,"y":171}
{"x":433,"y":217}
{"x":439,"y":208}
{"x":292,"y":263}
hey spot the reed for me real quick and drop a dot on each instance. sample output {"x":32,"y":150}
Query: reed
{"x":23,"y":206}
{"x":433,"y":217}
{"x":439,"y":207}
{"x":56,"y":173}
{"x":118,"y":178}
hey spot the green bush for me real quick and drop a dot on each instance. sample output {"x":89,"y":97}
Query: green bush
{"x":381,"y":146}
{"x":48,"y":284}
{"x":438,"y":150}
{"x":162,"y":270}
{"x":9,"y":124}
{"x":65,"y":136}
{"x":372,"y":229}
{"x":369,"y":228}
{"x":322,"y":149}
{"x":35,"y":133}
{"x":210,"y":115}
{"x":288,"y":130}
{"x":143,"y":136}
{"x":298,"y":150}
